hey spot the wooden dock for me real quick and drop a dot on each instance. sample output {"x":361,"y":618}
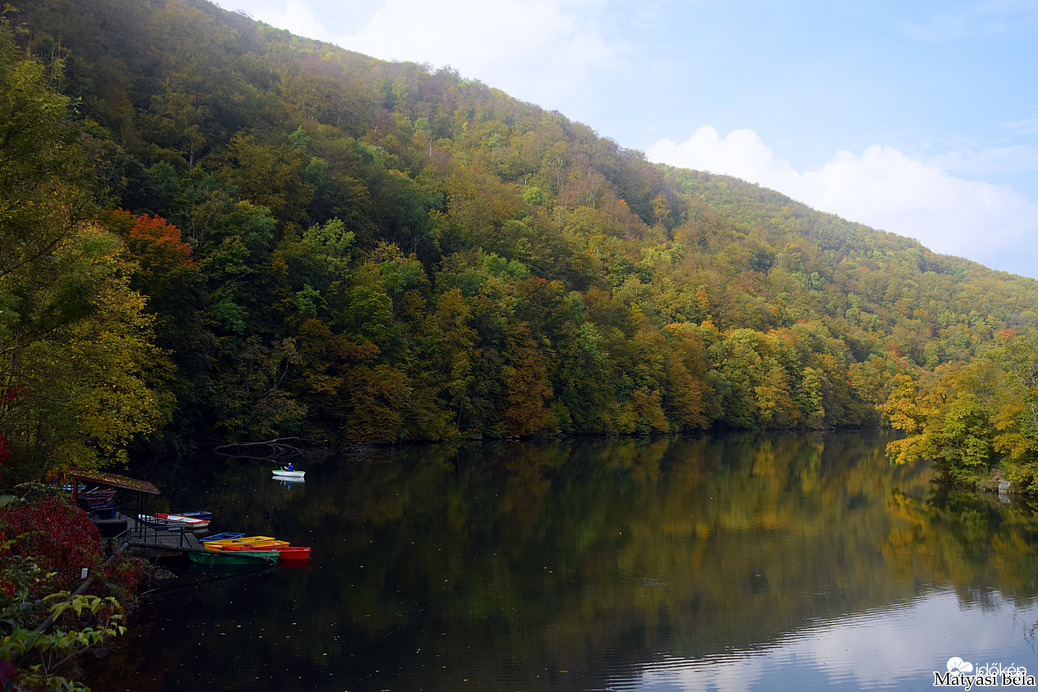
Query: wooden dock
{"x":140,"y":535}
{"x":122,"y":529}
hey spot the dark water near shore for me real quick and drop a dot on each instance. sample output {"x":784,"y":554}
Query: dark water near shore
{"x":736,"y":563}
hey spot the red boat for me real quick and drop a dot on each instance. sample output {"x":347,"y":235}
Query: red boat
{"x":294,"y":552}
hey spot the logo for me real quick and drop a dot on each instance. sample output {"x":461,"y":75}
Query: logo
{"x":963,"y":674}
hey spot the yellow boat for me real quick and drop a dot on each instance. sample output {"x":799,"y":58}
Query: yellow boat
{"x":258,"y":542}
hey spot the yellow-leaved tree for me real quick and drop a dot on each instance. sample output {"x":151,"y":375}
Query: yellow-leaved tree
{"x":973,"y":417}
{"x":78,"y":370}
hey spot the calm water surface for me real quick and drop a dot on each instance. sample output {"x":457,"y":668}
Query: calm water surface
{"x":738,"y":563}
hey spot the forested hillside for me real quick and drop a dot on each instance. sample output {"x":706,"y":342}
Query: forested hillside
{"x":215,"y":230}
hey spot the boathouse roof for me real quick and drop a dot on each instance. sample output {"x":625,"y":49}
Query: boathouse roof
{"x":114,"y":480}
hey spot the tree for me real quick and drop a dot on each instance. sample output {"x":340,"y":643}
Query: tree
{"x":78,"y":369}
{"x":91,"y":383}
{"x":525,"y":384}
{"x":269,"y":175}
{"x":43,"y":196}
{"x":1016,"y":417}
{"x":949,"y":420}
{"x":418,"y":219}
{"x":252,"y":398}
{"x":353,"y":396}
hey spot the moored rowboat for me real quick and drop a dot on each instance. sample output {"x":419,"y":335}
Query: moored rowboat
{"x":221,"y":536}
{"x":294,"y":552}
{"x":172,"y":523}
{"x":287,"y":552}
{"x":194,"y":514}
{"x":257,"y":542}
{"x":237,"y":543}
{"x":235,"y":557}
{"x":198,"y":520}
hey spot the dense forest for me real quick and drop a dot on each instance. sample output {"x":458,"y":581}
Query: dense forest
{"x":212,"y":230}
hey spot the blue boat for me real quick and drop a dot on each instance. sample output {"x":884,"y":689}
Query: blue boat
{"x":221,"y":536}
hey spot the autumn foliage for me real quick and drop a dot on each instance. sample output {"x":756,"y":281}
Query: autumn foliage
{"x":59,"y":537}
{"x":154,"y":243}
{"x":311,"y":242}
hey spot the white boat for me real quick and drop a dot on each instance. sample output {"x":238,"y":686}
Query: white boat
{"x":286,"y":475}
{"x":173,"y":522}
{"x":191,"y":519}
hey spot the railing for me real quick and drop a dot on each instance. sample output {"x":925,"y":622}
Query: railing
{"x":142,"y":529}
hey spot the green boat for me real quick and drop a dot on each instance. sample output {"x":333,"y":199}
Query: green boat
{"x":235,"y":557}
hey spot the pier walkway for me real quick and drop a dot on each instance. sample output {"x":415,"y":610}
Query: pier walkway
{"x":138,"y":534}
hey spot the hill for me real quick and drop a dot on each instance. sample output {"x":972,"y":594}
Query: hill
{"x":331,"y":245}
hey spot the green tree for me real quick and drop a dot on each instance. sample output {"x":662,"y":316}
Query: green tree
{"x":1016,"y":417}
{"x":354,"y":397}
{"x":949,"y":421}
{"x":78,"y":366}
{"x":253,"y":397}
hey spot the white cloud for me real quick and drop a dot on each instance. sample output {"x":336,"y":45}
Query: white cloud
{"x":882,"y":188}
{"x":292,"y":15}
{"x":554,"y":53}
{"x":544,"y":51}
{"x":537,"y":50}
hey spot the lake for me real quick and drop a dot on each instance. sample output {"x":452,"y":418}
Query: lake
{"x":746,"y":562}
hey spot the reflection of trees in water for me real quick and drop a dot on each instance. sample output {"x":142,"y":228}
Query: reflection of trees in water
{"x":621,"y":548}
{"x":522,"y":560}
{"x":966,"y":540}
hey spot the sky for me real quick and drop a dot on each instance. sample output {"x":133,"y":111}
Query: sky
{"x":915,"y":117}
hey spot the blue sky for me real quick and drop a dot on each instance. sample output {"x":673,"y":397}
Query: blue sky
{"x":919,"y":118}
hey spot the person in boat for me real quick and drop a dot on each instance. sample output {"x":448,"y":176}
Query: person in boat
{"x":290,"y":467}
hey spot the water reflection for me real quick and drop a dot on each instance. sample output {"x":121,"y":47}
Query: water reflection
{"x":738,"y":563}
{"x":894,"y":648}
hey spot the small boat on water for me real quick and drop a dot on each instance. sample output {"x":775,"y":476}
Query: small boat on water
{"x":194,"y":514}
{"x":221,"y":536}
{"x":294,"y":552}
{"x":235,"y":557}
{"x":285,"y":474}
{"x":237,"y":543}
{"x":173,"y":522}
{"x":287,"y":552}
{"x":188,"y":518}
{"x":245,"y":542}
